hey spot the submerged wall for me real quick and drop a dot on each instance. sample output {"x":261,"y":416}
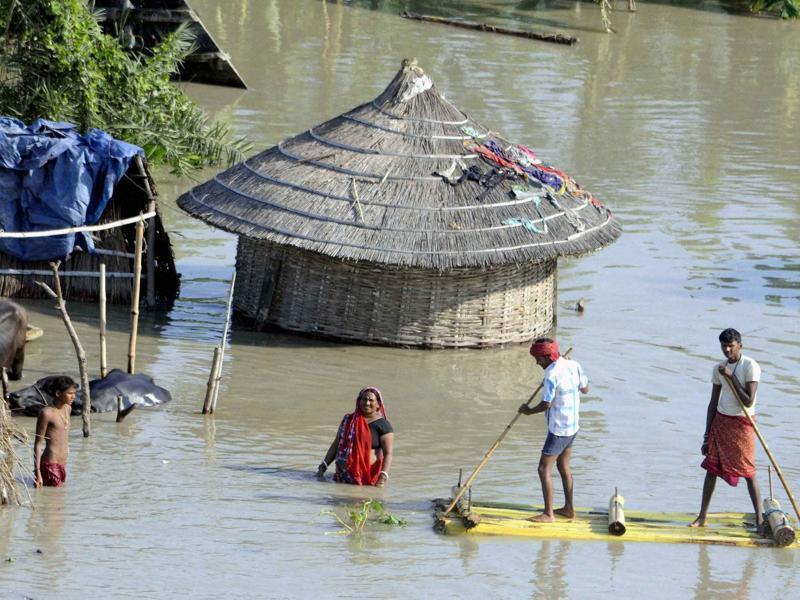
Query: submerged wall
{"x":296,"y":290}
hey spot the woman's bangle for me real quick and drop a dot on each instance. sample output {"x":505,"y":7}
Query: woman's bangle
{"x":385,"y":474}
{"x":323,"y":465}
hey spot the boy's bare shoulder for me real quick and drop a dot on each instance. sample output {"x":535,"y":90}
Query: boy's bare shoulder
{"x":47,"y":413}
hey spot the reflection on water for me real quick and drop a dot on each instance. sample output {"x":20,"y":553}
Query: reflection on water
{"x":684,"y":122}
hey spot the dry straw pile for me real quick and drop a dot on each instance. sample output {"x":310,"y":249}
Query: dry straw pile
{"x":10,"y":436}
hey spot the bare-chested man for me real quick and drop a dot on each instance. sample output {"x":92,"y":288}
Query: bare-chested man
{"x":51,"y":446}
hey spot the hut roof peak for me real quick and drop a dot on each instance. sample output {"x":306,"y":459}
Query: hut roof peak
{"x":412,"y":95}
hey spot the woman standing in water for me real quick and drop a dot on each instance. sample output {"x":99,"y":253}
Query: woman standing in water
{"x":363,"y":445}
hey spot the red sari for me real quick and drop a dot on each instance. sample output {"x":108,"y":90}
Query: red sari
{"x":355,"y":446}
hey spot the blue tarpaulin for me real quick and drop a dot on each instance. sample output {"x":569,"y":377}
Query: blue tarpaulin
{"x":52,"y":177}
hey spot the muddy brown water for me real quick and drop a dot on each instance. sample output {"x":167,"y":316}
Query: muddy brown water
{"x":685,"y":122}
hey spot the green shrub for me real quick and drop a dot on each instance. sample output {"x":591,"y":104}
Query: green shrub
{"x":56,"y":63}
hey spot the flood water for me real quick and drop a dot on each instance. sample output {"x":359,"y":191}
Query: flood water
{"x":686,"y":122}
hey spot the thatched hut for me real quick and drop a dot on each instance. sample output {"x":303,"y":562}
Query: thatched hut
{"x":401,"y":222}
{"x":135,"y":193}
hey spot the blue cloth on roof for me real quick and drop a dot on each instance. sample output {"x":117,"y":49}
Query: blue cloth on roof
{"x":52,"y":177}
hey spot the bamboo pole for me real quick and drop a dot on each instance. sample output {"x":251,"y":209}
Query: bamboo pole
{"x":555,"y":38}
{"x":764,"y":444}
{"x":151,"y":258}
{"x":223,"y":342}
{"x":494,"y":447}
{"x":103,"y":322}
{"x":212,"y":377}
{"x":4,"y":379}
{"x":137,"y":284}
{"x":76,"y":342}
{"x":151,"y":234}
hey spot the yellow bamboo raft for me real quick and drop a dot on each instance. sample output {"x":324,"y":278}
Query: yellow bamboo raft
{"x":499,"y":518}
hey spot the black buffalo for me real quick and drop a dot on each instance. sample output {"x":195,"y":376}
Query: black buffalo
{"x":13,"y":326}
{"x":136,"y":390}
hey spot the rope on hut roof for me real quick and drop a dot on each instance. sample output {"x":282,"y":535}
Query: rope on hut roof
{"x":327,"y":142}
{"x":101,"y":227}
{"x":414,"y":135}
{"x":309,"y":190}
{"x":421,"y":119}
{"x":282,"y":149}
{"x":309,"y":238}
{"x":362,"y":225}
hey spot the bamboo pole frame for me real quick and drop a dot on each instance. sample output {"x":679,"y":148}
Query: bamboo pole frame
{"x":208,"y":402}
{"x":103,"y":322}
{"x":494,"y":447}
{"x":137,"y":284}
{"x":4,"y":380}
{"x":76,"y":342}
{"x":151,"y":234}
{"x":764,"y":445}
{"x":223,"y":342}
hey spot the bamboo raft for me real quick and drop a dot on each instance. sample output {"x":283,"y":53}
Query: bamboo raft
{"x":504,"y":519}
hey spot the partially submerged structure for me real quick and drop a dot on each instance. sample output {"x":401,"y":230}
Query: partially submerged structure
{"x":402,"y":222}
{"x":53,"y":179}
{"x":142,"y":24}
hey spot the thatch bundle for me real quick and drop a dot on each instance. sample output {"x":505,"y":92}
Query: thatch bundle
{"x":10,"y":435}
{"x":402,"y":222}
{"x":115,"y":246}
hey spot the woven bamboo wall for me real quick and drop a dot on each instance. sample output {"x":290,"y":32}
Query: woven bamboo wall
{"x":296,"y":290}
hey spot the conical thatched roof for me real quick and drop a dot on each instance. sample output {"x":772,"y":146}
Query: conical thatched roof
{"x":406,"y":179}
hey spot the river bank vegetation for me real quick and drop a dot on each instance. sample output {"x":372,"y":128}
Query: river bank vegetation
{"x":56,"y":63}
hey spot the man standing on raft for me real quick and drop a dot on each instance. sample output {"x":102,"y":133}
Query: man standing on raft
{"x":729,"y":440}
{"x":564,"y":382}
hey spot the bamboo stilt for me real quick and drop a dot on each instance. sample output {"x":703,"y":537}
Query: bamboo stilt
{"x":495,"y":446}
{"x":764,"y":445}
{"x":769,"y":478}
{"x":151,"y":258}
{"x":151,"y":235}
{"x":212,"y":376}
{"x":76,"y":342}
{"x":103,"y":322}
{"x":137,"y":284}
{"x":223,"y":342}
{"x":4,"y":379}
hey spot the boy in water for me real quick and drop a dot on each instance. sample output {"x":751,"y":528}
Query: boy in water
{"x":729,"y":441}
{"x":564,"y":382}
{"x":51,"y":446}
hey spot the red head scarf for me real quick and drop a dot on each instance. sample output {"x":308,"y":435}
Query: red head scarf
{"x":355,"y":445}
{"x":548,"y":349}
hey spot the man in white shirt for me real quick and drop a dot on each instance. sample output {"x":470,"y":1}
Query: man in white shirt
{"x":564,"y":382}
{"x":729,"y":440}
